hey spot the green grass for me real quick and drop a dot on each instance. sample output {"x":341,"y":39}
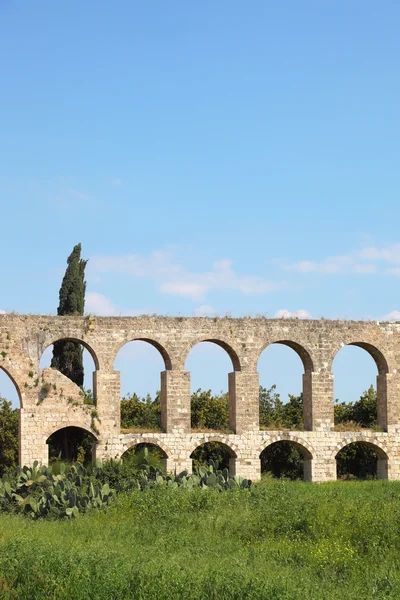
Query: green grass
{"x":280,"y":541}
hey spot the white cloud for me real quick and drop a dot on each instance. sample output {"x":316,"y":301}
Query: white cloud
{"x":392,"y":316}
{"x":173,"y":279}
{"x":2,"y":312}
{"x":116,"y":181}
{"x":100,"y":305}
{"x":283,"y":313}
{"x":203,"y":310}
{"x":366,"y":261}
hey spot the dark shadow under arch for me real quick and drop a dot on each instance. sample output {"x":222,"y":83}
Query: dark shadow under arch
{"x":144,"y":454}
{"x":361,"y":460}
{"x":221,"y":454}
{"x":287,"y":458}
{"x":72,"y":444}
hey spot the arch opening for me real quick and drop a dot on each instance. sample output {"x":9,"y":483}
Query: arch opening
{"x":72,"y":444}
{"x":361,"y":460}
{"x":285,"y":369}
{"x":360,"y":388}
{"x":77,"y":362}
{"x":221,"y":454}
{"x":143,"y":455}
{"x":141,"y":364}
{"x":9,"y":423}
{"x":287,"y":459}
{"x":212,"y":387}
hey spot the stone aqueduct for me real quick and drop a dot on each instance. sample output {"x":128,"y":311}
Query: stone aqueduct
{"x":23,"y":338}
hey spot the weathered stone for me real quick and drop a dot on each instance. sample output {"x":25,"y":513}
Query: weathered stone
{"x":49,"y":401}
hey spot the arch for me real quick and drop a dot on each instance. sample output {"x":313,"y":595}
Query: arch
{"x":72,"y":443}
{"x":221,"y":452}
{"x":300,"y":350}
{"x":231,"y":448}
{"x":78,"y":341}
{"x":302,"y":445}
{"x":381,"y":378}
{"x":12,"y":379}
{"x":377,"y":355}
{"x":77,"y":424}
{"x":223,"y":344}
{"x":375,"y":444}
{"x":147,"y":440}
{"x":277,"y":457}
{"x":165,"y":355}
{"x":359,"y":463}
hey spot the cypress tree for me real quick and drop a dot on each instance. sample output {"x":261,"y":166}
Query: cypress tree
{"x":67,"y":355}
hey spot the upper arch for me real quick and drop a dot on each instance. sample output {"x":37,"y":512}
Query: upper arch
{"x":300,"y":350}
{"x":79,"y":341}
{"x":373,"y":351}
{"x":7,"y":372}
{"x":165,"y":355}
{"x":224,"y":345}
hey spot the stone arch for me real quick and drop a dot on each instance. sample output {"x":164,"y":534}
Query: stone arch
{"x":71,"y":441}
{"x":303,"y":447}
{"x":374,"y":443}
{"x":220,"y":439}
{"x":232,"y":376}
{"x":301,"y":351}
{"x":219,"y":342}
{"x":161,"y":348}
{"x":308,"y":364}
{"x":381,"y":379}
{"x":77,"y":340}
{"x":14,"y":382}
{"x":78,"y":424}
{"x":382,"y":462}
{"x":231,"y":456}
{"x":376,"y":353}
{"x":301,"y":444}
{"x":147,"y":440}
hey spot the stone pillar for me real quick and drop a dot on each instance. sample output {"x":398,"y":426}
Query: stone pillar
{"x":388,"y":389}
{"x":243,"y":401}
{"x":318,"y":401}
{"x":250,"y":468}
{"x":322,"y":469}
{"x":308,"y":469}
{"x":32,"y":443}
{"x":382,"y":471}
{"x":107,"y":387}
{"x":175,"y":401}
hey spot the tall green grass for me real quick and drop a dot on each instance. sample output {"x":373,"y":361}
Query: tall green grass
{"x":280,"y":540}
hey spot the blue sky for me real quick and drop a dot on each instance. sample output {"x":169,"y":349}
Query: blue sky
{"x":210,"y":157}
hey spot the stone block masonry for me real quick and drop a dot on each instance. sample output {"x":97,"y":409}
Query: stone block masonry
{"x":49,"y":401}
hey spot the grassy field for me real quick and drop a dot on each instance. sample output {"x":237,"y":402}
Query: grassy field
{"x":281,"y":540}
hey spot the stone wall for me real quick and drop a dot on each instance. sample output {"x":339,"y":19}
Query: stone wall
{"x":49,"y":401}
